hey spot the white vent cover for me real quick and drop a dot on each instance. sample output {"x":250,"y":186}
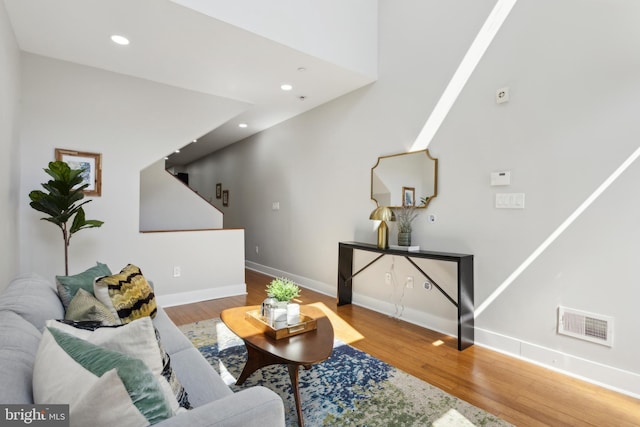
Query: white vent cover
{"x":586,"y":326}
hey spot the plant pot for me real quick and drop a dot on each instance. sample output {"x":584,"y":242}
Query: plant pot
{"x":404,"y":239}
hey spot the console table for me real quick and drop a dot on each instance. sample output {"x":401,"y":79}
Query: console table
{"x":464,"y":302}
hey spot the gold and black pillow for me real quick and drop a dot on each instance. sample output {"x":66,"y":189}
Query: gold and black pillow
{"x":127,"y":294}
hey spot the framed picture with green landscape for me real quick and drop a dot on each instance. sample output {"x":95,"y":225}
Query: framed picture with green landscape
{"x":90,"y":163}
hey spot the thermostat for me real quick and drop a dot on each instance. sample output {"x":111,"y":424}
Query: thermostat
{"x":501,"y":178}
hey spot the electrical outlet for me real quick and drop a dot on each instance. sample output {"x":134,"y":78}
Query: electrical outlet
{"x":176,"y":271}
{"x":427,"y":285}
{"x":409,"y":282}
{"x":387,"y":278}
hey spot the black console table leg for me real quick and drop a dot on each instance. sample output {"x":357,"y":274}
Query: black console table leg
{"x":345,"y":268}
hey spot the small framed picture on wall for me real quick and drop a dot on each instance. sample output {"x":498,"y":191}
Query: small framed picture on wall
{"x":225,"y":198}
{"x":91,"y":165}
{"x":218,"y":190}
{"x":408,"y":196}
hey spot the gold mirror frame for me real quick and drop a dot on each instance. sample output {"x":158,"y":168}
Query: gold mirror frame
{"x":398,"y":178}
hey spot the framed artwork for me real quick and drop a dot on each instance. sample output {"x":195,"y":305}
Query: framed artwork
{"x":91,"y":165}
{"x":408,"y":196}
{"x":218,"y":190}
{"x":225,"y":198}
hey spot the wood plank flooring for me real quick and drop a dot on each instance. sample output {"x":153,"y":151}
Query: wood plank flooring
{"x":521,"y":393}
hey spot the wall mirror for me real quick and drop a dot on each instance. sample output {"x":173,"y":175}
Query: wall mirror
{"x":404,"y":179}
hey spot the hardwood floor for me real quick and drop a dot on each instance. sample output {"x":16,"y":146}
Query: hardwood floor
{"x":521,"y":393}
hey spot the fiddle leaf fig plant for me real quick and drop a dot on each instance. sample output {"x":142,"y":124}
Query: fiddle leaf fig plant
{"x":62,"y":203}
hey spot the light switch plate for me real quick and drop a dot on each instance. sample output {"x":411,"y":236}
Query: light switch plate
{"x":510,"y":200}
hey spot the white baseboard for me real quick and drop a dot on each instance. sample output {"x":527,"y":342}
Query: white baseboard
{"x":305,"y":282}
{"x":609,"y":377}
{"x":182,"y":298}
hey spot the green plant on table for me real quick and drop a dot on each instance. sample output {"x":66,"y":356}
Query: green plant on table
{"x":283,"y":289}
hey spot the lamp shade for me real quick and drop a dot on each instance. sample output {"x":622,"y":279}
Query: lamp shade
{"x":383,"y":213}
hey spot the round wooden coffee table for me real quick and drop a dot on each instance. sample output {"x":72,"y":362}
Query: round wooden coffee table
{"x":304,"y":349}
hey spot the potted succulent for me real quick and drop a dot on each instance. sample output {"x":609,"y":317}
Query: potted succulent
{"x":286,"y":312}
{"x":283,"y":289}
{"x":60,"y":202}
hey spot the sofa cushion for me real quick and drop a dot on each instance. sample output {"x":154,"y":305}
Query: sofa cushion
{"x":69,"y":285}
{"x":120,"y":388}
{"x":19,"y":342}
{"x":84,"y":306}
{"x":127,"y":294}
{"x":173,"y":340}
{"x":200,"y":380}
{"x":33,"y":298}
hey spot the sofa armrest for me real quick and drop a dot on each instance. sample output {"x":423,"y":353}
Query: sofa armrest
{"x":253,"y":407}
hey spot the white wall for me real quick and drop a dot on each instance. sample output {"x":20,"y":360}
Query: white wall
{"x":9,"y":118}
{"x":570,"y":123}
{"x":133,"y":123}
{"x":168,"y":204}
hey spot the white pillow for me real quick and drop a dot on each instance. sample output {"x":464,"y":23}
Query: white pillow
{"x":137,"y":339}
{"x":102,"y":387}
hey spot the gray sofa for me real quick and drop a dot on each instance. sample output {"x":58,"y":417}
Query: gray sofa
{"x":29,"y":301}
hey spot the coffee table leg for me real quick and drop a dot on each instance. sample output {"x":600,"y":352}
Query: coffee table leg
{"x":294,"y":375}
{"x":255,"y":360}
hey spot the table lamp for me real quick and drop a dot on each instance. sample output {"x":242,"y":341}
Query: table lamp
{"x":383,"y":214}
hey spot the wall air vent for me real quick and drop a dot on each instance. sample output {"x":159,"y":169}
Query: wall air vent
{"x":586,"y":326}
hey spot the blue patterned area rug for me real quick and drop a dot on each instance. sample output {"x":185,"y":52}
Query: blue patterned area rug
{"x":351,"y":388}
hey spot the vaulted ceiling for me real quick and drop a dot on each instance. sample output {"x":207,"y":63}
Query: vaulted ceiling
{"x":173,"y":43}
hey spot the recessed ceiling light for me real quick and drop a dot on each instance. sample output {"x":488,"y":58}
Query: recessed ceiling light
{"x":166,"y":158}
{"x":195,"y":140}
{"x":286,"y":86}
{"x":177,"y":151}
{"x":121,"y":40}
{"x":301,"y":69}
{"x":243,"y":125}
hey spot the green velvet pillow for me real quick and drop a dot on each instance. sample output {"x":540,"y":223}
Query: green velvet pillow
{"x":68,"y":285}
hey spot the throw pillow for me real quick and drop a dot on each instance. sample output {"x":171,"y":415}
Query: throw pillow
{"x":127,"y":294}
{"x":169,"y":374}
{"x":69,"y":285}
{"x":138,"y":339}
{"x":102,"y":386}
{"x":84,"y":306}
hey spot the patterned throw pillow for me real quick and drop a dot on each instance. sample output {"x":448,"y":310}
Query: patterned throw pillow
{"x":128,"y":295}
{"x":68,"y":285}
{"x":84,"y":306}
{"x":167,"y":371}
